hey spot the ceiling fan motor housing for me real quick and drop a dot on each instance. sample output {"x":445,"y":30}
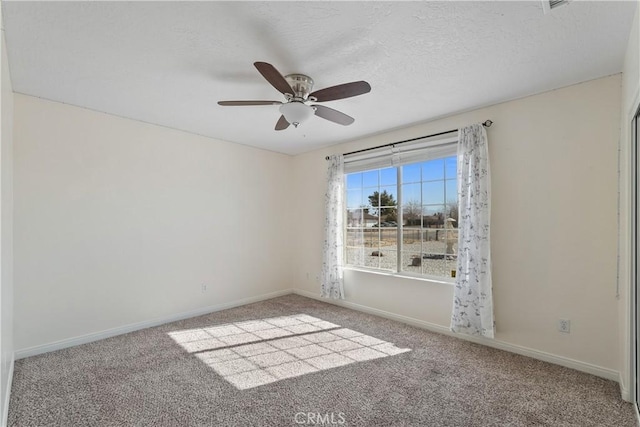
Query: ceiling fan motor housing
{"x":301,"y":85}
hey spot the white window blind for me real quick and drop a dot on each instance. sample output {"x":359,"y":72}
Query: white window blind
{"x":402,"y":153}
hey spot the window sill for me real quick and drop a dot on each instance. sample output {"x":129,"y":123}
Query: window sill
{"x":438,"y":280}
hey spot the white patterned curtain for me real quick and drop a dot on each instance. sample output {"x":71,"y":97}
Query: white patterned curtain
{"x":472,"y":296}
{"x":332,"y":258}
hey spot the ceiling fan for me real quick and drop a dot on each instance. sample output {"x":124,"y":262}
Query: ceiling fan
{"x":299,"y":99}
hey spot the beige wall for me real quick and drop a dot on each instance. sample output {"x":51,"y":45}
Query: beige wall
{"x":119,"y":222}
{"x":629,"y":104}
{"x":6,"y":231}
{"x":554,"y":239}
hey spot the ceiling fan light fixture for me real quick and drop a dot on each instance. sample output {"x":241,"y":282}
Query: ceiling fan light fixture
{"x":296,"y":112}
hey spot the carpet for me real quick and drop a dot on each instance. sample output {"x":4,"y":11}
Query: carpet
{"x":294,"y":361}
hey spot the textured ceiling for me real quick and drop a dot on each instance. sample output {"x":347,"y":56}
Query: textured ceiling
{"x":168,"y":63}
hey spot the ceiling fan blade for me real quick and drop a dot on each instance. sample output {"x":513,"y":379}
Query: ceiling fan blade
{"x":346,"y":90}
{"x":282,"y":123}
{"x":240,"y":103}
{"x":333,"y":115}
{"x":274,"y":77}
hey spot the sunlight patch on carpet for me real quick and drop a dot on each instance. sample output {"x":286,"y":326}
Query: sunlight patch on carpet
{"x":257,"y":352}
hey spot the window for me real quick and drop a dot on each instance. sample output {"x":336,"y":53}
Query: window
{"x":403,"y":217}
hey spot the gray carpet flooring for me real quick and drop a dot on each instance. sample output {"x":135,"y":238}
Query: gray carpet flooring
{"x":294,"y":361}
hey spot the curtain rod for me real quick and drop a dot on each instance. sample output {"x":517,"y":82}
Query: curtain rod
{"x":486,"y":123}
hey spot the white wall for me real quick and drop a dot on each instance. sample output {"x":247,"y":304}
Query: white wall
{"x":554,"y":239}
{"x":629,"y":104}
{"x":118,"y":222}
{"x":6,"y":231}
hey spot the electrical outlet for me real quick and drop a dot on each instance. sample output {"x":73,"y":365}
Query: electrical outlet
{"x":564,"y":325}
{"x":204,"y":287}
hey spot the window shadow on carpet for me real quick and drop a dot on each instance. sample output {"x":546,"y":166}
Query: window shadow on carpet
{"x":257,"y":352}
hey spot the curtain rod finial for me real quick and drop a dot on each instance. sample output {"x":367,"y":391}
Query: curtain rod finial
{"x":487,"y":123}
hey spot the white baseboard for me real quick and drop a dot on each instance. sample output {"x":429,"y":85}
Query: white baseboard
{"x":589,"y":368}
{"x":95,"y":336}
{"x":7,"y":399}
{"x":624,"y":391}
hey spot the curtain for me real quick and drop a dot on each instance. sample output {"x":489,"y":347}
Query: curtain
{"x":472,"y":297}
{"x":333,"y":253}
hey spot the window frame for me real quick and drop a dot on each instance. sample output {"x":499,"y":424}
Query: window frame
{"x":425,"y":153}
